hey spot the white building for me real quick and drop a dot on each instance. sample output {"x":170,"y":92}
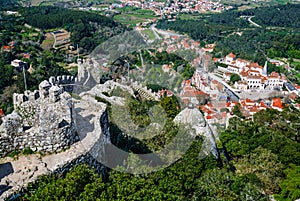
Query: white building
{"x":229,"y":58}
{"x":255,"y":83}
{"x":233,"y":69}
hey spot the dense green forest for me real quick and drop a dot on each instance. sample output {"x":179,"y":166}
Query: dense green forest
{"x":233,"y":33}
{"x":278,"y":16}
{"x":87,"y":29}
{"x":258,"y":158}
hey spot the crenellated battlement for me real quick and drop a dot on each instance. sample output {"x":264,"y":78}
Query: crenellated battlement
{"x":51,"y":88}
{"x":66,"y":81}
{"x":144,"y":91}
{"x":47,"y":90}
{"x":18,"y":99}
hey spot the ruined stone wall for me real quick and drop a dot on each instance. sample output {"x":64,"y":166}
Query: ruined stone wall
{"x":144,"y":91}
{"x":85,"y":151}
{"x":42,"y":121}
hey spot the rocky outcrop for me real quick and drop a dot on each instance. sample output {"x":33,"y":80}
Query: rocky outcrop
{"x":199,"y":127}
{"x":191,"y":116}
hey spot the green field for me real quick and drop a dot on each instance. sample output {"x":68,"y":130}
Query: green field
{"x":189,"y":16}
{"x":132,"y":15}
{"x":149,"y":33}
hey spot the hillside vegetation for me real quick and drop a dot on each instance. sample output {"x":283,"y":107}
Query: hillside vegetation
{"x":87,"y":29}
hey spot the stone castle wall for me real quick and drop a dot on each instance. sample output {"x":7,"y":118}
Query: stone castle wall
{"x":42,"y":120}
{"x":66,"y":81}
{"x":86,"y":151}
{"x":144,"y":91}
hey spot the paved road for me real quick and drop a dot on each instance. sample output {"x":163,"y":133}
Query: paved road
{"x":163,"y":32}
{"x":250,"y":20}
{"x":229,"y":91}
{"x":154,"y":30}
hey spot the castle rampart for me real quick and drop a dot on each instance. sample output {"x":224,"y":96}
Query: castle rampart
{"x":86,"y":150}
{"x":42,"y":120}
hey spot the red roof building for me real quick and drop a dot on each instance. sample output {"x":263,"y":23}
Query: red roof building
{"x":277,"y":103}
{"x":231,"y":55}
{"x":1,"y":113}
{"x":7,"y":48}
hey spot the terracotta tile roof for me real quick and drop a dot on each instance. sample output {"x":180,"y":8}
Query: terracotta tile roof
{"x":249,"y":100}
{"x":276,"y":102}
{"x":1,"y":113}
{"x":165,"y":91}
{"x":242,"y":60}
{"x":297,"y":106}
{"x":253,"y":109}
{"x":244,"y":73}
{"x":253,"y":71}
{"x":224,"y":114}
{"x":262,"y":104}
{"x":215,"y":59}
{"x":235,"y":103}
{"x":214,"y":82}
{"x":6,"y":47}
{"x":264,"y":79}
{"x":209,"y":117}
{"x":189,"y":91}
{"x":231,"y":55}
{"x":274,"y":74}
{"x":297,"y":86}
{"x":186,"y":100}
{"x":254,"y":64}
{"x":210,"y":112}
{"x":26,"y":55}
{"x":210,"y":105}
{"x":293,"y":96}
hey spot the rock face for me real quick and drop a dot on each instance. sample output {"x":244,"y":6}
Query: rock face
{"x":42,"y":121}
{"x":194,"y":118}
{"x":191,"y":116}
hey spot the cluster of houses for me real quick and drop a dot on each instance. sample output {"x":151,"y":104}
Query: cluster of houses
{"x":10,"y":47}
{"x":172,"y":8}
{"x":208,"y":95}
{"x":187,"y":48}
{"x":253,"y":76}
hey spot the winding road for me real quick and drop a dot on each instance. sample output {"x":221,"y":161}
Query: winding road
{"x":255,"y":24}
